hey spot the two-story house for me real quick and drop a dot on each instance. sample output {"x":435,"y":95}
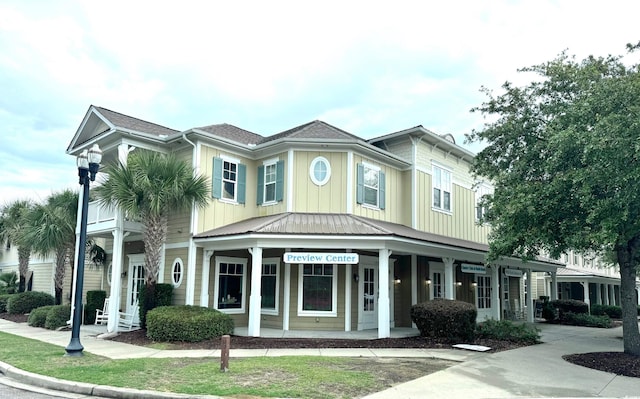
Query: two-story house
{"x":313,"y":228}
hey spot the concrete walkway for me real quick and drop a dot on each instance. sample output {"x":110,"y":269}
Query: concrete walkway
{"x":534,"y":371}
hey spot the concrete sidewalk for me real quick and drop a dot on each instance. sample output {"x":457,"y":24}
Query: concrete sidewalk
{"x":534,"y":371}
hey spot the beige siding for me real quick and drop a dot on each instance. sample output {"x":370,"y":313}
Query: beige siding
{"x":403,"y":149}
{"x":271,"y":209}
{"x":330,"y":197}
{"x":219,"y":213}
{"x":397,"y":196}
{"x":179,"y":293}
{"x":179,"y":227}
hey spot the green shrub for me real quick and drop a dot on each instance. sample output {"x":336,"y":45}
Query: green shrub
{"x":444,"y":318}
{"x":187,"y":323}
{"x":163,"y":297}
{"x":8,"y":283}
{"x":549,"y":313}
{"x":38,"y":316}
{"x":25,"y":302}
{"x":560,"y":307}
{"x":614,"y":312}
{"x":57,"y":317}
{"x":506,"y":330}
{"x":587,"y":320}
{"x":95,"y":300}
{"x":4,"y":298}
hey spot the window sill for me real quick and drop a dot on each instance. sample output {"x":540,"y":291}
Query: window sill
{"x":228,"y":201}
{"x":269,"y":312}
{"x":440,"y":210}
{"x":231,"y":311}
{"x":372,"y":207}
{"x":270,"y":203}
{"x":310,"y":313}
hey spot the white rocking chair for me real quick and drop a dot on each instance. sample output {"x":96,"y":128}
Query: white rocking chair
{"x":129,"y":321}
{"x":102,"y":315}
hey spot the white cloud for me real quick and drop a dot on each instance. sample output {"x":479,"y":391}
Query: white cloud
{"x":368,"y":67}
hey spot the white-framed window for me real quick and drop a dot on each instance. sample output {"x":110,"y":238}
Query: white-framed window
{"x":270,"y":286}
{"x":370,"y":186}
{"x":229,"y":180}
{"x":484,"y":291}
{"x":437,"y":285}
{"x":317,"y":290}
{"x":229,"y":286}
{"x":177,"y":271}
{"x":480,"y":191}
{"x":320,"y":171}
{"x":441,"y":178}
{"x":270,"y":182}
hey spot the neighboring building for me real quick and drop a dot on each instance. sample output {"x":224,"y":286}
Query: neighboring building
{"x":313,"y":228}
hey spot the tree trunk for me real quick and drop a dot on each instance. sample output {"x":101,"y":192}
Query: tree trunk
{"x":23,"y":267}
{"x":154,"y":235}
{"x":58,"y":277}
{"x":627,"y":256}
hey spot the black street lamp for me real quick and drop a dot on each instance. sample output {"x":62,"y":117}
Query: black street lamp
{"x":88,"y":165}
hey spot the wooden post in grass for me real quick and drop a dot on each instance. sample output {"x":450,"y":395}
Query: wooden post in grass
{"x":224,"y":353}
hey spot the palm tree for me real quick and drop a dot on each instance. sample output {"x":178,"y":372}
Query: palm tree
{"x":151,"y":186}
{"x":52,"y":228}
{"x":12,"y":224}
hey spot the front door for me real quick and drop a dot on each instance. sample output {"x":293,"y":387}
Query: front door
{"x":135,"y":280}
{"x":368,"y":297}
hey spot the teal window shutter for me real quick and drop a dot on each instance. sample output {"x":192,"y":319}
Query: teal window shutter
{"x":260,"y":185}
{"x":360,"y":184}
{"x":242,"y":183}
{"x":381,"y":189}
{"x":217,"y":178}
{"x":279,"y":181}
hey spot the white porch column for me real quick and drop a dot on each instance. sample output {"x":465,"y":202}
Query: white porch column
{"x":449,"y":283}
{"x":384,"y":331}
{"x":606,"y":294}
{"x":612,"y":295}
{"x":287,"y":296}
{"x":348,"y":278}
{"x":116,"y":281}
{"x":530,"y":307}
{"x":414,"y":282}
{"x":206,"y":269}
{"x":598,"y":294}
{"x":554,"y":286}
{"x":495,"y":291}
{"x":255,"y":300}
{"x":191,"y":274}
{"x":585,"y":293}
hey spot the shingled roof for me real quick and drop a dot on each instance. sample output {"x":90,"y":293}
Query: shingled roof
{"x":332,"y":224}
{"x":234,"y":133}
{"x":135,"y":124}
{"x":314,"y":130}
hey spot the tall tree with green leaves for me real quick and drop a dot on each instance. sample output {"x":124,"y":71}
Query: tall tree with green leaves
{"x":52,"y":229}
{"x":12,"y":223}
{"x":151,"y":186}
{"x":564,"y":155}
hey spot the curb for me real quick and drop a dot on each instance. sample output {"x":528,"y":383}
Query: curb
{"x":87,"y":389}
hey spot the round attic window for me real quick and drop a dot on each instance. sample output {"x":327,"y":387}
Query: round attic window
{"x":320,"y":171}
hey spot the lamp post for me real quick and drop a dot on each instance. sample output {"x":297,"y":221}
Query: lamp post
{"x":88,"y":165}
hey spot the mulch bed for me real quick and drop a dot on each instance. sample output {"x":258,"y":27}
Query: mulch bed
{"x":618,"y":363}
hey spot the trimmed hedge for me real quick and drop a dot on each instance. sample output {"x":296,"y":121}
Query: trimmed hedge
{"x":25,"y":302}
{"x":445,"y":318}
{"x":556,"y":310}
{"x":506,"y":330}
{"x":57,"y":317}
{"x":187,"y":323}
{"x":95,"y":300}
{"x":614,"y":312}
{"x":163,"y":297}
{"x":587,"y":320}
{"x":4,"y":298}
{"x":38,"y":316}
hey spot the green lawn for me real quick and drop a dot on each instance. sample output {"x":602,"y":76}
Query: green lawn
{"x":298,"y":376}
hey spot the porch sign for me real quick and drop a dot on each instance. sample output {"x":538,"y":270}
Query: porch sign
{"x":513,"y":273}
{"x":340,"y":258}
{"x":469,"y":268}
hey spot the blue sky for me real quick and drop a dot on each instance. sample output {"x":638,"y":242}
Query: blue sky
{"x":368,"y":67}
